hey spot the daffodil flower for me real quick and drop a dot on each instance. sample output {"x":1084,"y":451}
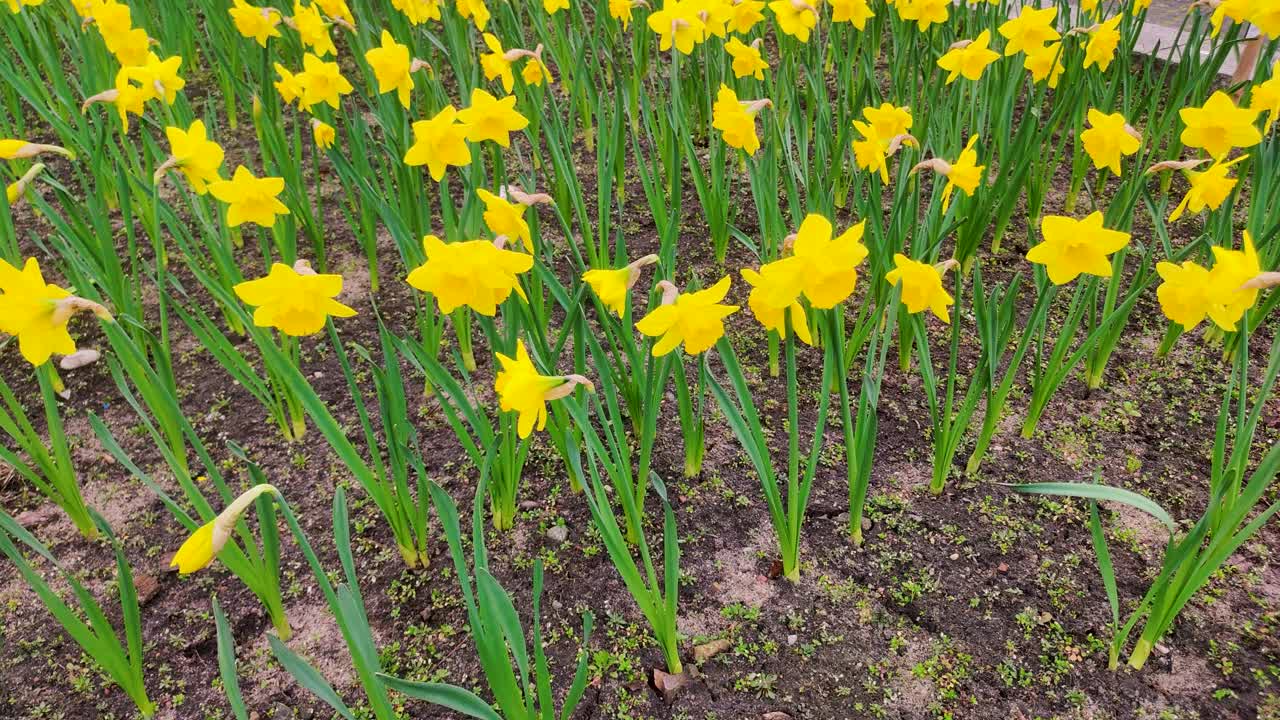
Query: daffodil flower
{"x":613,"y":287}
{"x":393,"y":67}
{"x":289,"y":85}
{"x":475,"y":10}
{"x":1265,"y":97}
{"x":13,"y":149}
{"x":857,"y":12}
{"x":1219,"y":126}
{"x":922,"y":285}
{"x":337,"y":10}
{"x":693,"y":318}
{"x":554,"y":6}
{"x":1045,"y":64}
{"x":418,"y":11}
{"x":249,"y":198}
{"x":773,"y":299}
{"x":199,"y":550}
{"x":745,"y":14}
{"x":1103,"y":41}
{"x":490,"y":118}
{"x":1108,"y":139}
{"x":16,"y":190}
{"x":323,"y":133}
{"x":37,"y":312}
{"x":621,"y":10}
{"x":522,"y":390}
{"x":15,"y":6}
{"x":312,"y":29}
{"x":1030,"y":30}
{"x":796,"y":18}
{"x":1209,"y":189}
{"x":747,"y":60}
{"x":197,"y":157}
{"x":1184,"y":294}
{"x":965,"y":173}
{"x":677,"y":26}
{"x":969,"y":58}
{"x":873,"y":150}
{"x":322,"y":82}
{"x":475,"y":273}
{"x":258,"y":23}
{"x":822,"y":267}
{"x":504,"y":213}
{"x":439,"y":143}
{"x":294,"y":300}
{"x":736,"y":120}
{"x":1074,"y":247}
{"x":925,"y":13}
{"x":1232,"y":286}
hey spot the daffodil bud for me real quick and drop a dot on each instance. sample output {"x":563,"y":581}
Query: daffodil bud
{"x":565,"y":389}
{"x":636,"y":266}
{"x":106,"y":96}
{"x":1175,"y":165}
{"x":670,"y":293}
{"x":69,"y":306}
{"x":1262,"y":281}
{"x":15,"y":191}
{"x":24,"y":150}
{"x":207,"y":541}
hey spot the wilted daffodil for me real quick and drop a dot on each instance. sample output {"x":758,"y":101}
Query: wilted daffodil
{"x":1103,"y":41}
{"x":1108,"y":139}
{"x":521,"y":389}
{"x":747,"y":60}
{"x":294,"y":300}
{"x":923,"y":12}
{"x":1184,"y":294}
{"x":613,"y":287}
{"x":258,"y":23}
{"x":821,"y":267}
{"x":474,"y":273}
{"x":249,"y":198}
{"x":393,"y":67}
{"x":969,"y":58}
{"x":796,"y":18}
{"x":504,"y":214}
{"x":322,"y":82}
{"x":476,"y":10}
{"x":1219,"y":126}
{"x":37,"y":312}
{"x":965,"y":173}
{"x":439,"y":143}
{"x":1030,"y":30}
{"x":745,"y":14}
{"x":312,"y":29}
{"x":693,"y":318}
{"x":857,"y":12}
{"x":736,"y":120}
{"x":1074,"y":247}
{"x":922,"y":285}
{"x":773,"y":299}
{"x":1209,"y":189}
{"x":488,"y":118}
{"x":678,"y":26}
{"x":1265,"y":97}
{"x":1045,"y":64}
{"x":194,"y":154}
{"x":323,"y":133}
{"x":207,"y":541}
{"x":13,"y":149}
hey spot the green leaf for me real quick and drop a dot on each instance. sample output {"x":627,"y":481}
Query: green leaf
{"x":444,"y":695}
{"x":1101,"y":492}
{"x":307,"y":676}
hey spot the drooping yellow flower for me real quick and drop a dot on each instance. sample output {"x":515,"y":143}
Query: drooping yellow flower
{"x":857,"y":12}
{"x":921,"y":286}
{"x":554,"y":6}
{"x":495,"y":63}
{"x":199,"y":550}
{"x":536,"y":72}
{"x":249,"y":198}
{"x":488,"y":118}
{"x":620,"y":10}
{"x":523,"y":390}
{"x":613,"y":287}
{"x":1229,"y":298}
{"x":195,"y":155}
{"x":747,"y":60}
{"x":418,"y":11}
{"x":506,"y":218}
{"x":322,"y":82}
{"x":736,"y":120}
{"x":772,"y":300}
{"x":1108,"y":139}
{"x":14,"y":192}
{"x":439,"y":143}
{"x":1265,"y":97}
{"x":257,"y":23}
{"x":1103,"y":41}
{"x":677,"y":26}
{"x":745,"y":14}
{"x":869,"y":151}
{"x":1074,"y":247}
{"x":1045,"y":63}
{"x":969,"y":58}
{"x":1184,"y":294}
{"x":391,"y":65}
{"x":823,"y":268}
{"x":289,"y":86}
{"x":693,"y":318}
{"x":294,"y":300}
{"x":1209,"y":189}
{"x":312,"y":29}
{"x":1238,"y":10}
{"x":473,"y":273}
{"x":965,"y":173}
{"x":1219,"y":126}
{"x":1030,"y":30}
{"x":37,"y":312}
{"x":923,"y":12}
{"x":323,"y":133}
{"x":476,"y":10}
{"x":796,"y":18}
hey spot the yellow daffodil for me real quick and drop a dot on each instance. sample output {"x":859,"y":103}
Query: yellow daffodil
{"x":1229,"y":290}
{"x":476,"y":10}
{"x":889,"y":120}
{"x":872,"y":151}
{"x":965,"y":173}
{"x":128,"y":44}
{"x":922,"y":285}
{"x":1089,"y":7}
{"x":620,"y":10}
{"x":154,"y":78}
{"x":923,"y":12}
{"x":536,"y":72}
{"x":1074,"y":247}
{"x":37,"y":312}
{"x":488,"y":118}
{"x":474,"y":273}
{"x":773,"y":299}
{"x":249,"y":198}
{"x":199,"y":550}
{"x":323,"y":133}
{"x":294,"y":300}
{"x":418,"y":11}
{"x":736,"y":120}
{"x":439,"y":143}
{"x":1238,"y":10}
{"x":857,"y":12}
{"x":747,"y":60}
{"x":613,"y":287}
{"x":969,"y":58}
{"x":505,"y":217}
{"x":258,"y":23}
{"x":289,"y":86}
{"x":337,"y":9}
{"x":1108,"y":139}
{"x":1219,"y":126}
{"x":16,"y":190}
{"x":195,"y":155}
{"x":392,"y":68}
{"x":1140,"y":5}
{"x":322,"y":82}
{"x":677,"y":26}
{"x":1266,"y":16}
{"x":14,"y":149}
{"x":523,"y":390}
{"x":1030,"y":30}
{"x":823,"y":268}
{"x":1265,"y":97}
{"x":1184,"y":294}
{"x":496,"y":64}
{"x":693,"y":318}
{"x":796,"y":18}
{"x":1103,"y":41}
{"x":745,"y":14}
{"x":15,"y":6}
{"x":312,"y":29}
{"x":1045,"y":63}
{"x":554,"y":6}
{"x":715,"y":16}
{"x":1209,"y":189}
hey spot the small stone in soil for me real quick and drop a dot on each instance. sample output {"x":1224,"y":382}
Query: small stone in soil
{"x":79,"y":359}
{"x":558,"y":533}
{"x":706,"y":651}
{"x":775,"y":716}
